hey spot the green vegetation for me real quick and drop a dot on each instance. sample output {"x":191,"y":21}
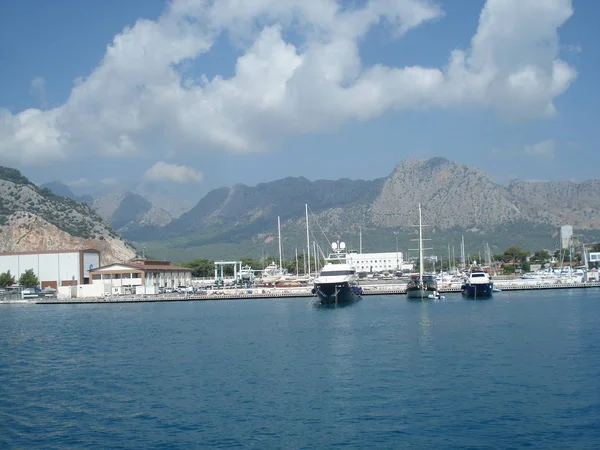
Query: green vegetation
{"x":6,"y":279}
{"x":29,"y":279}
{"x":14,"y":176}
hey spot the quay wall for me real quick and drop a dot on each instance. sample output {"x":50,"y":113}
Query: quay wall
{"x":275,"y":293}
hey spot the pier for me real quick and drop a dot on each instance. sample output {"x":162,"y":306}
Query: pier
{"x":301,"y":292}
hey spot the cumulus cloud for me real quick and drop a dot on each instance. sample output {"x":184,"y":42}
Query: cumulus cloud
{"x":138,"y":100}
{"x":543,"y":149}
{"x":174,"y":173}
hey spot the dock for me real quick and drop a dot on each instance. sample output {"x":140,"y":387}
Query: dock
{"x":302,"y":292}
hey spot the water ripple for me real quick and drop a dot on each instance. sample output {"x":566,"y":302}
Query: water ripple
{"x":517,"y":371}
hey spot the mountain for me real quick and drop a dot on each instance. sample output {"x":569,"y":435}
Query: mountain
{"x":457,"y":201}
{"x":170,"y":197}
{"x":127,"y":211}
{"x":244,"y":207}
{"x":35,"y":219}
{"x":566,"y":202}
{"x":62,"y":190}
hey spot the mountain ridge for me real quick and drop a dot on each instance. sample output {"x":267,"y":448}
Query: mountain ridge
{"x":456,"y":199}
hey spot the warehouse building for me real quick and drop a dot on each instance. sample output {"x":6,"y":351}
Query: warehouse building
{"x":53,"y":268}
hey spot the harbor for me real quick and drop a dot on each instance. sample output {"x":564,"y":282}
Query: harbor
{"x":297,"y":292}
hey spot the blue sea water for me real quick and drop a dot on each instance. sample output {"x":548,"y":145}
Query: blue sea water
{"x":519,"y":370}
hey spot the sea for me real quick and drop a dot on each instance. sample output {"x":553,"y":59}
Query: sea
{"x":520,"y":370}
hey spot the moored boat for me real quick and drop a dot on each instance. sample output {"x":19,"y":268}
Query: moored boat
{"x":477,"y":284}
{"x":421,"y":286}
{"x":338,"y":281}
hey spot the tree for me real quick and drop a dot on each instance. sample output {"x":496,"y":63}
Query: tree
{"x":29,"y":279}
{"x":508,"y":270}
{"x":515,"y":254}
{"x":201,"y":268}
{"x":541,"y":256}
{"x":6,"y":279}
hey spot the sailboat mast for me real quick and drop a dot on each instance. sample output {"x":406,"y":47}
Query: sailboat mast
{"x":420,"y":244}
{"x":279,"y":234}
{"x":307,"y":238}
{"x":360,"y":241}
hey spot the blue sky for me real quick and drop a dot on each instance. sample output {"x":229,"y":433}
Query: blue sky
{"x":192,"y":95}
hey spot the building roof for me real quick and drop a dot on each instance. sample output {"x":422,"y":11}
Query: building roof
{"x":46,"y":252}
{"x":163,"y":266}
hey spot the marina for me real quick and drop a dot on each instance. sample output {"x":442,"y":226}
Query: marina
{"x":299,"y":292}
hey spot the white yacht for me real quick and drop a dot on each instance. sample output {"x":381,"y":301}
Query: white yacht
{"x":271,"y":274}
{"x":338,"y":280}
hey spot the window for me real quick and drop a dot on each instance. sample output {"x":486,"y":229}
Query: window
{"x":334,"y":273}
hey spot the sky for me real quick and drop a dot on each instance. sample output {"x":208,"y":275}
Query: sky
{"x":191,"y":95}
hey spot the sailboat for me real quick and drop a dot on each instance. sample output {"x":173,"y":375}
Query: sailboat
{"x":273,"y":273}
{"x":421,"y":286}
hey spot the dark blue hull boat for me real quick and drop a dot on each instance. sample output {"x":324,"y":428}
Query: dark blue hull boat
{"x":483,"y":290}
{"x":330,"y":293}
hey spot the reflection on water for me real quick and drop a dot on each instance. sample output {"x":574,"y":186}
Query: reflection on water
{"x":341,"y":367}
{"x":317,"y":304}
{"x":425,"y":325}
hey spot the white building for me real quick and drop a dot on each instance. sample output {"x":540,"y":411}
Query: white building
{"x":140,"y":276}
{"x":52,"y":268}
{"x":566,"y":234}
{"x":376,"y":262}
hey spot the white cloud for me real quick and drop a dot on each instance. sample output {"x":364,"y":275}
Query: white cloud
{"x":109,"y":181}
{"x":138,"y":102}
{"x":543,"y":149}
{"x":38,"y":87}
{"x":174,"y":173}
